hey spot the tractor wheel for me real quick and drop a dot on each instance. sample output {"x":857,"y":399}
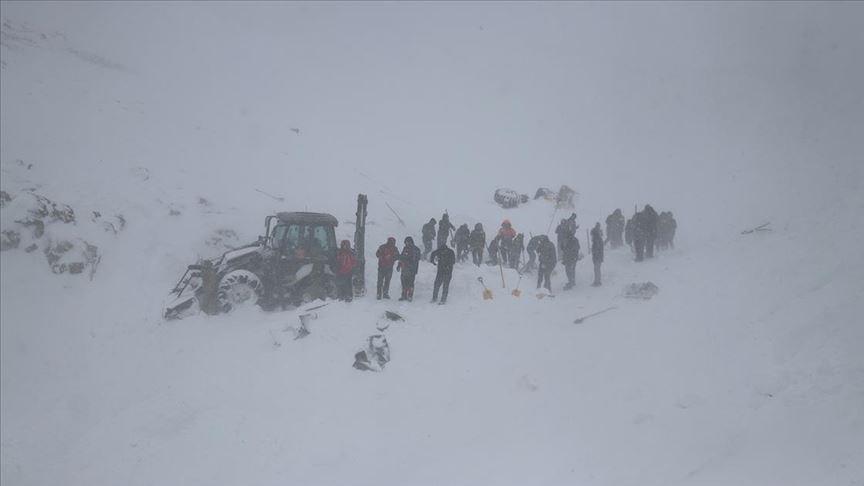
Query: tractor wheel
{"x":238,"y":288}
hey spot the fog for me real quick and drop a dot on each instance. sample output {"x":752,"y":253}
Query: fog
{"x":663,"y":102}
{"x":190,"y":121}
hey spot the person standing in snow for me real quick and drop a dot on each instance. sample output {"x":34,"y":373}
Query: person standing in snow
{"x":506,"y":234}
{"x":409,"y":265}
{"x":444,"y":229}
{"x":428,"y":236}
{"x":666,"y":227}
{"x":444,"y":258}
{"x":461,"y":239}
{"x":570,"y":255}
{"x":477,"y":242}
{"x":639,"y":235}
{"x":597,"y":252}
{"x":345,"y":263}
{"x":547,"y":259}
{"x":494,"y":250}
{"x":615,"y":228}
{"x":672,"y":228}
{"x":628,"y":233}
{"x":387,"y":255}
{"x":533,"y":245}
{"x":649,"y":220}
{"x":567,"y":227}
{"x":516,"y":249}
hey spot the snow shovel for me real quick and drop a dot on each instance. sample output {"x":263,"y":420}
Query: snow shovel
{"x":516,"y":292}
{"x":582,"y":319}
{"x":487,"y":294}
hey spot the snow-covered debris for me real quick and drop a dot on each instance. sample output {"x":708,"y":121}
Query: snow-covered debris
{"x":643,"y":290}
{"x":374,"y":355}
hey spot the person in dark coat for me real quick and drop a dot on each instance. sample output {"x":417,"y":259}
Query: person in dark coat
{"x":409,"y":265}
{"x":628,"y":233}
{"x":477,"y":242}
{"x":650,"y":224}
{"x":387,"y":255}
{"x":428,"y":236}
{"x":495,"y":250}
{"x":639,"y":236}
{"x":533,"y":245}
{"x":666,"y":227}
{"x":461,"y":239}
{"x":570,"y":255}
{"x":565,"y":227}
{"x":547,"y":259}
{"x":516,"y":249}
{"x":444,"y":258}
{"x":444,"y":229}
{"x":615,"y":228}
{"x":673,"y":227}
{"x":345,"y":263}
{"x":597,"y":252}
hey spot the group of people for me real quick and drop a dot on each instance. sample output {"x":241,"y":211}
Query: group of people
{"x":644,"y":232}
{"x":647,"y":231}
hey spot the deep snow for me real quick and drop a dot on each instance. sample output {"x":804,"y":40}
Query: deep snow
{"x":746,"y":368}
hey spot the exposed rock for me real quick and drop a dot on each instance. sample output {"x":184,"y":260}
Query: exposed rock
{"x":37,"y":225}
{"x":72,"y":257}
{"x":52,"y":211}
{"x":9,"y":239}
{"x":4,"y":198}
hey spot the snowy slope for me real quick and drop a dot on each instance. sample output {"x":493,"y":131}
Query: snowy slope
{"x":745,"y":368}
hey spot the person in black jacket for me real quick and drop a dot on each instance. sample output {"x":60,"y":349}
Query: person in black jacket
{"x":615,"y":228}
{"x":628,"y":232}
{"x":533,"y":244}
{"x":649,"y":221}
{"x":477,"y":242}
{"x":461,"y":242}
{"x":428,"y":236}
{"x":516,"y":249}
{"x":567,"y":227}
{"x":495,"y":251}
{"x":444,"y":258}
{"x":444,"y":229}
{"x":409,"y":265}
{"x":570,"y":255}
{"x":639,"y":235}
{"x":597,"y":252}
{"x":547,"y":259}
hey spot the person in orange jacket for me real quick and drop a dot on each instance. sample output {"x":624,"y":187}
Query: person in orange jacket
{"x":345,"y":263}
{"x":505,"y":240}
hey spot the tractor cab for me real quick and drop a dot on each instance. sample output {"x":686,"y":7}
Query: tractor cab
{"x":302,"y":236}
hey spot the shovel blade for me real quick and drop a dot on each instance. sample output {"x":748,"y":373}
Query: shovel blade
{"x":487,"y":294}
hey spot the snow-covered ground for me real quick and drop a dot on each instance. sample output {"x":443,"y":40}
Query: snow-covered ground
{"x":746,"y":368}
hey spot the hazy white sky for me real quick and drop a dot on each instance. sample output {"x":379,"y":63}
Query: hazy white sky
{"x":634,"y":98}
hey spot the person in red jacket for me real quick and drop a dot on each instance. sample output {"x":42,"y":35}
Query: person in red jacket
{"x":345,"y":263}
{"x":387,"y":255}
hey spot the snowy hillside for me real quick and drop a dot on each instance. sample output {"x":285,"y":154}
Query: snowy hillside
{"x":135,"y":142}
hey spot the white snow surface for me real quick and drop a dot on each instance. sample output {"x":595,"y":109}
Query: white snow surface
{"x":746,"y":368}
